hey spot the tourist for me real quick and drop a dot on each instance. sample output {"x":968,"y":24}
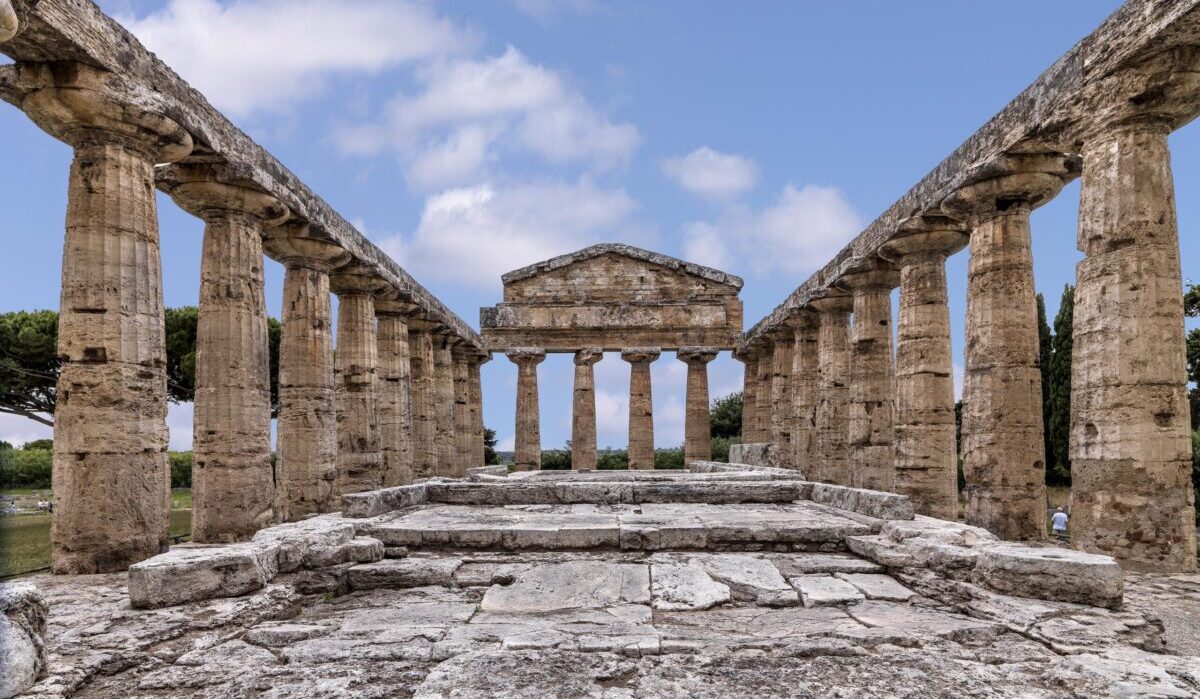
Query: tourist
{"x":1058,"y":521}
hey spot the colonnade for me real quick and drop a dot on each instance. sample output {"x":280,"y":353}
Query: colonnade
{"x":697,"y":441}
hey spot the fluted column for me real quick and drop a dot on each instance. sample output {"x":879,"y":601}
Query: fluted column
{"x":871,"y":433}
{"x":444,"y":406}
{"x":1003,"y":452}
{"x":476,"y":409}
{"x":641,"y":406}
{"x":395,"y":391}
{"x":111,"y":478}
{"x":697,"y":427}
{"x":306,"y":463}
{"x":832,"y":464}
{"x":462,"y":411}
{"x":424,"y":425}
{"x":1130,"y":444}
{"x":926,"y":454}
{"x":805,"y":369}
{"x":583,"y":410}
{"x":528,"y":438}
{"x":762,"y":396}
{"x":749,"y":393}
{"x":781,"y":396}
{"x":360,"y":460}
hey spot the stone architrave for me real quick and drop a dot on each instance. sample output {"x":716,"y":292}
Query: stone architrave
{"x":641,"y":406}
{"x":1003,"y":452}
{"x":926,"y":454}
{"x":233,"y":484}
{"x":424,"y":426}
{"x":762,"y":396}
{"x":749,"y":392}
{"x":782,"y":417}
{"x":1130,"y":445}
{"x":697,"y":428}
{"x":111,"y":477}
{"x":832,"y":464}
{"x":306,"y":463}
{"x":476,"y":409}
{"x":445,"y":445}
{"x":871,"y":433}
{"x":462,"y":412}
{"x":528,"y":439}
{"x":395,"y":391}
{"x":360,"y":461}
{"x":805,"y":370}
{"x":583,"y":410}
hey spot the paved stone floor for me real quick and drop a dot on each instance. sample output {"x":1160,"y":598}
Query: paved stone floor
{"x":611,"y":623}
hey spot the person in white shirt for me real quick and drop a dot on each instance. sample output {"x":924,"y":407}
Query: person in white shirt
{"x":1058,"y":521}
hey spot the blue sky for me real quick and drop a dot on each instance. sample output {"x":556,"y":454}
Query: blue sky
{"x":470,"y":138}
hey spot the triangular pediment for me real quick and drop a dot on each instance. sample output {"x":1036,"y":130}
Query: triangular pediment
{"x":645,"y":258}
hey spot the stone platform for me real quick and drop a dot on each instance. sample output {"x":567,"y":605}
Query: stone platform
{"x":646,"y":592}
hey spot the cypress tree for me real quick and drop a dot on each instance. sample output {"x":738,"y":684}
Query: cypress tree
{"x":1045,"y":348}
{"x":1058,"y":434}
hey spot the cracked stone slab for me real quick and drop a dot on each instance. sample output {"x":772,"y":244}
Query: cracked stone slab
{"x":878,"y":586}
{"x":574,"y":584}
{"x":825,"y":590}
{"x":498,"y":527}
{"x":679,"y":586}
{"x":751,"y":578}
{"x":792,"y":564}
{"x":404,"y":572}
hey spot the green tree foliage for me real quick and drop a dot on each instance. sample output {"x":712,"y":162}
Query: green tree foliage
{"x":181,"y":352}
{"x":1058,"y":427}
{"x":1191,"y":301}
{"x":668,"y":458}
{"x":29,"y":364}
{"x":25,"y":468}
{"x":181,"y":469}
{"x":39,"y":444}
{"x":720,"y":448}
{"x":962,"y":478}
{"x":610,"y":459}
{"x":1191,"y":308}
{"x":725,"y":416}
{"x":1045,"y":352}
{"x":489,"y":447}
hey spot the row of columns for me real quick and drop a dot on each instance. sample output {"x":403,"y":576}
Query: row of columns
{"x":885,"y":420}
{"x":345,"y":419}
{"x":697,"y":441}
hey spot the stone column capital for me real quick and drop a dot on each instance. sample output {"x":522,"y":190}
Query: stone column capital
{"x":1013,"y":183}
{"x":293,"y":250}
{"x":922,"y":236}
{"x":83,"y":106}
{"x":835,"y":302}
{"x":1158,"y":93}
{"x":879,"y":278}
{"x":356,"y":278}
{"x":210,"y":191}
{"x":640,"y":355}
{"x":697,"y":355}
{"x":526,"y":356}
{"x":589,"y":356}
{"x":9,"y":24}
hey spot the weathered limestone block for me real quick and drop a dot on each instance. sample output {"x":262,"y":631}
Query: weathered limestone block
{"x":528,"y":439}
{"x":373,"y":503}
{"x":1003,"y":449}
{"x":832,"y":464}
{"x":749,"y":393}
{"x":112,"y":481}
{"x":685,"y":587}
{"x":191,"y":573}
{"x":1130,"y":447}
{"x":462,"y":413}
{"x":876,"y":586}
{"x":926,"y":465}
{"x":641,"y":406}
{"x":478,"y":458}
{"x":444,"y":407}
{"x":697,"y":434}
{"x":750,"y":578}
{"x":305,"y":543}
{"x":306,"y":468}
{"x":871,"y":503}
{"x":805,"y":372}
{"x":583,"y":410}
{"x":395,"y":392}
{"x":22,"y":637}
{"x":782,"y":417}
{"x":754,"y":454}
{"x":571,"y":585}
{"x":233,"y":482}
{"x":1051,"y":573}
{"x":405,"y":572}
{"x":825,"y":591}
{"x":424,"y":427}
{"x":360,"y":461}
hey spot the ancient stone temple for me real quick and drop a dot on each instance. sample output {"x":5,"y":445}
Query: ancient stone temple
{"x":376,"y":554}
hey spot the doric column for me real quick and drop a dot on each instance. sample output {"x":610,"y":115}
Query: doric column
{"x":233,"y":487}
{"x":462,"y":410}
{"x":781,"y":396}
{"x":360,"y":461}
{"x":805,"y":369}
{"x":871,"y":433}
{"x":445,"y":445}
{"x":749,"y":392}
{"x":528,"y":438}
{"x":583,"y":410}
{"x":641,"y":406}
{"x":697,"y":428}
{"x":832,"y":464}
{"x":1003,"y":453}
{"x":306,"y":463}
{"x":762,"y":395}
{"x":424,"y":425}
{"x":395,"y":390}
{"x":926,"y":455}
{"x":111,"y":478}
{"x":476,"y":408}
{"x":1130,"y":444}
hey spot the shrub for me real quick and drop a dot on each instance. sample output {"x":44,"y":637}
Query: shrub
{"x":668,"y":458}
{"x":610,"y":459}
{"x":26,"y":468}
{"x":181,"y":469}
{"x":720,"y":448}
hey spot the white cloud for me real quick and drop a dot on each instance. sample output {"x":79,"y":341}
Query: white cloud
{"x":711,"y":174}
{"x":17,"y":430}
{"x":796,"y":234}
{"x":473,"y":235}
{"x":467,"y":111}
{"x":266,"y":55}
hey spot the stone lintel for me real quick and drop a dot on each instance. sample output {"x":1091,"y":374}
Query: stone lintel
{"x":588,"y":356}
{"x":697,"y":355}
{"x":639,"y":355}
